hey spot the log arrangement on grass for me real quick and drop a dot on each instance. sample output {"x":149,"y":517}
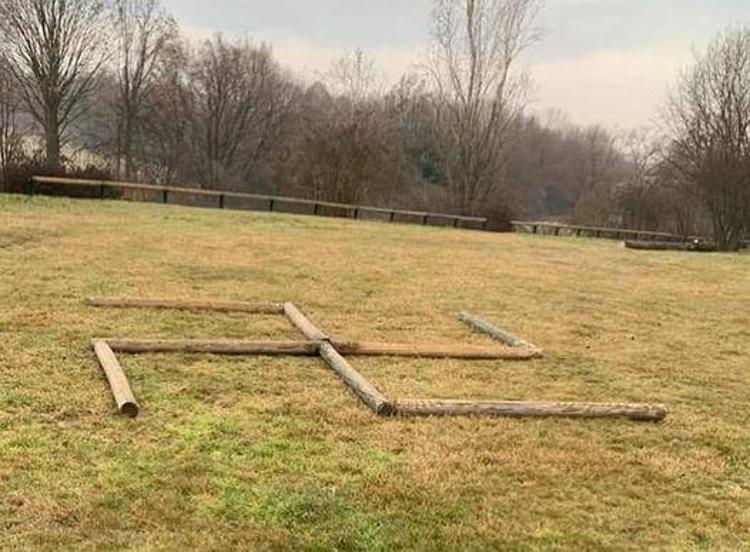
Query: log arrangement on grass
{"x":332,"y":351}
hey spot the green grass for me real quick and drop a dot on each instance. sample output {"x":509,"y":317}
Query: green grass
{"x":261,"y":453}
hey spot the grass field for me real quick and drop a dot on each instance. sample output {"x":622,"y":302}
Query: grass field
{"x":260,"y":453}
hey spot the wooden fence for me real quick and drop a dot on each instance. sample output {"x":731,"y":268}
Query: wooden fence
{"x":235,"y":200}
{"x":556,"y":229}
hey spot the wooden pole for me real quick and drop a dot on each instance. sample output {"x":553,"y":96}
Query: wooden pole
{"x":704,"y":247}
{"x":271,"y":348}
{"x":496,"y":333}
{"x":118,"y":382}
{"x":435,"y":351}
{"x":356,"y":382}
{"x":311,"y":348}
{"x":248,"y":308}
{"x":303,"y":323}
{"x":635,"y":412}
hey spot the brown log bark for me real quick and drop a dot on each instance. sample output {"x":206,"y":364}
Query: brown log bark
{"x":226,"y":347}
{"x":495,"y":332}
{"x":118,"y":382}
{"x":310,"y":348}
{"x":356,"y":382}
{"x":635,"y":412}
{"x":434,"y":351}
{"x":303,"y":323}
{"x":209,"y":306}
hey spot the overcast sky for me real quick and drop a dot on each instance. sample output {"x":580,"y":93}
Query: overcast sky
{"x":602,"y":61}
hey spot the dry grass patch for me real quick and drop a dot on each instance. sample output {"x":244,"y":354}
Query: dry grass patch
{"x":273,"y":453}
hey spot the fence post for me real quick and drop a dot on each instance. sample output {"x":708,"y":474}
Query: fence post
{"x":164,"y":195}
{"x":270,"y":204}
{"x":221,"y":201}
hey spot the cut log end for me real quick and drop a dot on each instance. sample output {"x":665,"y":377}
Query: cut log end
{"x":129,"y":409}
{"x":366,"y":391}
{"x":386,"y":410}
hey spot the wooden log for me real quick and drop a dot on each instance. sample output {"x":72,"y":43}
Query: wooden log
{"x":496,"y":333}
{"x":435,"y":351}
{"x":125,"y":303}
{"x":118,"y":382}
{"x":635,"y":412}
{"x":311,"y":348}
{"x":303,"y":323}
{"x":373,"y":398}
{"x":697,"y":246}
{"x":225,"y":347}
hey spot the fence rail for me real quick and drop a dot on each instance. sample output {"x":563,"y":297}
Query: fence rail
{"x":556,"y":229}
{"x":39,"y":185}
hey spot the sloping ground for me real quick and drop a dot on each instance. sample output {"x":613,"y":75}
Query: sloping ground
{"x":259,"y":453}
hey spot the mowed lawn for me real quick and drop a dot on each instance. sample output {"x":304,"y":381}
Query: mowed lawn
{"x":256,"y":453}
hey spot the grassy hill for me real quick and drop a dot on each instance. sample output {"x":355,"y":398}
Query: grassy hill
{"x":262,"y":453}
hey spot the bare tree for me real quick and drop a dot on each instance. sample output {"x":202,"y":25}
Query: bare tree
{"x":55,"y":49}
{"x":166,"y":119}
{"x":238,"y":101}
{"x":477,"y":96}
{"x":142,"y":28}
{"x":708,"y":117}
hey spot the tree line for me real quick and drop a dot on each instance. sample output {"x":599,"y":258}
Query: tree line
{"x":111,"y":89}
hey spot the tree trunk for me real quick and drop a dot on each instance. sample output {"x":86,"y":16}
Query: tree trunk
{"x":52,"y":141}
{"x":127,"y":146}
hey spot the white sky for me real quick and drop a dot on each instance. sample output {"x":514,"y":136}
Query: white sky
{"x":601,"y":61}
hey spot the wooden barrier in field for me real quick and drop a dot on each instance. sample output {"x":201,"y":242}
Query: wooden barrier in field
{"x":694,"y":246}
{"x":556,"y":229}
{"x":102,"y":189}
{"x":330,"y":350}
